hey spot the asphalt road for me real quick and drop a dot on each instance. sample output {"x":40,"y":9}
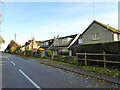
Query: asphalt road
{"x":20,"y":73}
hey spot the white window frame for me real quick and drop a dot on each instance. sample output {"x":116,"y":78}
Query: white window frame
{"x":94,"y":36}
{"x":115,"y":37}
{"x":80,"y":41}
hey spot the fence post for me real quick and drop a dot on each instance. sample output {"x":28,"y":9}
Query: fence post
{"x":75,"y":58}
{"x":85,"y":59}
{"x":104,"y":59}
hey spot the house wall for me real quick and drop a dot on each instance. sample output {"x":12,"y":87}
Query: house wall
{"x":104,"y":35}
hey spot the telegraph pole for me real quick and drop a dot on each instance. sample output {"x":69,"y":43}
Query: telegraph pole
{"x":15,"y":37}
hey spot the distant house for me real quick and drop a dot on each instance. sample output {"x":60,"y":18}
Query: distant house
{"x":63,"y":43}
{"x":72,"y":47}
{"x":22,"y":48}
{"x":98,"y":32}
{"x":46,"y":44}
{"x":32,"y":45}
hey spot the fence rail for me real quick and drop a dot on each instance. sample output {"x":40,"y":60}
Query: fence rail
{"x":96,"y":54}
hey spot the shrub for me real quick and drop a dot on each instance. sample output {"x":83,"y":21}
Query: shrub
{"x":35,"y":54}
{"x":21,"y":53}
{"x":45,"y":57}
{"x":28,"y":53}
{"x":48,"y":52}
{"x":40,"y":50}
{"x":7,"y":51}
{"x":63,"y":53}
{"x":108,"y":47}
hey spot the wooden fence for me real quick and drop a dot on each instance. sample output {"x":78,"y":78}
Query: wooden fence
{"x":95,"y":54}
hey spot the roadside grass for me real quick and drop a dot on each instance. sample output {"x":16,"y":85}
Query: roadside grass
{"x":106,"y":71}
{"x":101,"y":70}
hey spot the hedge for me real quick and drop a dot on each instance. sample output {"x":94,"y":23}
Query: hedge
{"x":48,"y":53}
{"x":109,"y":47}
{"x":28,"y":53}
{"x":63,"y":53}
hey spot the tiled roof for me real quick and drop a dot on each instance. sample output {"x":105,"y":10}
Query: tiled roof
{"x":72,"y":36}
{"x":38,"y":43}
{"x":109,"y":27}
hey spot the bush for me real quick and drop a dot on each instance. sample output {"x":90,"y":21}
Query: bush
{"x":28,"y":53}
{"x":40,"y":50}
{"x":35,"y":54}
{"x":109,"y":47}
{"x":7,"y":51}
{"x":21,"y":53}
{"x":48,"y":53}
{"x":63,"y":53}
{"x":45,"y":57}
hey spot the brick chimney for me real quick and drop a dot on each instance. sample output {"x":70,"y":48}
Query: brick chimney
{"x":54,"y":38}
{"x":33,"y":43}
{"x":58,"y":36}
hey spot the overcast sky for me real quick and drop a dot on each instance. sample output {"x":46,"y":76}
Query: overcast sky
{"x":44,"y":20}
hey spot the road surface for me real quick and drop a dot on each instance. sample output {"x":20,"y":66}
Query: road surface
{"x":18,"y":72}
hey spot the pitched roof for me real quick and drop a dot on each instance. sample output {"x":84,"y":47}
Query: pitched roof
{"x":109,"y":27}
{"x":38,"y":43}
{"x":71,"y":36}
{"x":103,"y":25}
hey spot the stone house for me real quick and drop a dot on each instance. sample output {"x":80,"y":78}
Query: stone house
{"x":63,"y":43}
{"x":46,"y":44}
{"x":98,"y":32}
{"x":22,"y":48}
{"x":32,"y":45}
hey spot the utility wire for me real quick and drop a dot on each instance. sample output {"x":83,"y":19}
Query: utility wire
{"x":93,"y":10}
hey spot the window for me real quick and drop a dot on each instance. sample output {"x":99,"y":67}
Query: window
{"x":41,"y":44}
{"x":95,"y":36}
{"x":56,"y":41}
{"x":68,"y":39}
{"x":79,"y":41}
{"x":45,"y":43}
{"x":115,"y":37}
{"x":64,"y":40}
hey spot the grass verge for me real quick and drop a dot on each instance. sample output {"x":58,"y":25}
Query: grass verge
{"x":106,"y":71}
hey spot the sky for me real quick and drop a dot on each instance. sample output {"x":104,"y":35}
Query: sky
{"x":44,"y":20}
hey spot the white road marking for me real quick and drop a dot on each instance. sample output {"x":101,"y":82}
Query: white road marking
{"x":30,"y":79}
{"x":13,"y":63}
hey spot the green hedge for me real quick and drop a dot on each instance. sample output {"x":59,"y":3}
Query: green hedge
{"x":109,"y":47}
{"x":63,"y":53}
{"x":28,"y":53}
{"x":21,"y":53}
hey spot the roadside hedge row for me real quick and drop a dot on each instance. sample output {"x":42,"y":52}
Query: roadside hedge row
{"x":109,"y":47}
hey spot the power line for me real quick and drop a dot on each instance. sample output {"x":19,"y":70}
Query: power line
{"x":0,"y":13}
{"x":93,"y":10}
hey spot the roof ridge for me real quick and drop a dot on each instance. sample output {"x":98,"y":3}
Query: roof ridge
{"x":109,"y":27}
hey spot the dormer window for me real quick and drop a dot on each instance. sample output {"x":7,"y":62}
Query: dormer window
{"x":64,"y":40}
{"x":56,"y":41}
{"x":95,"y":36}
{"x":68,"y":39}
